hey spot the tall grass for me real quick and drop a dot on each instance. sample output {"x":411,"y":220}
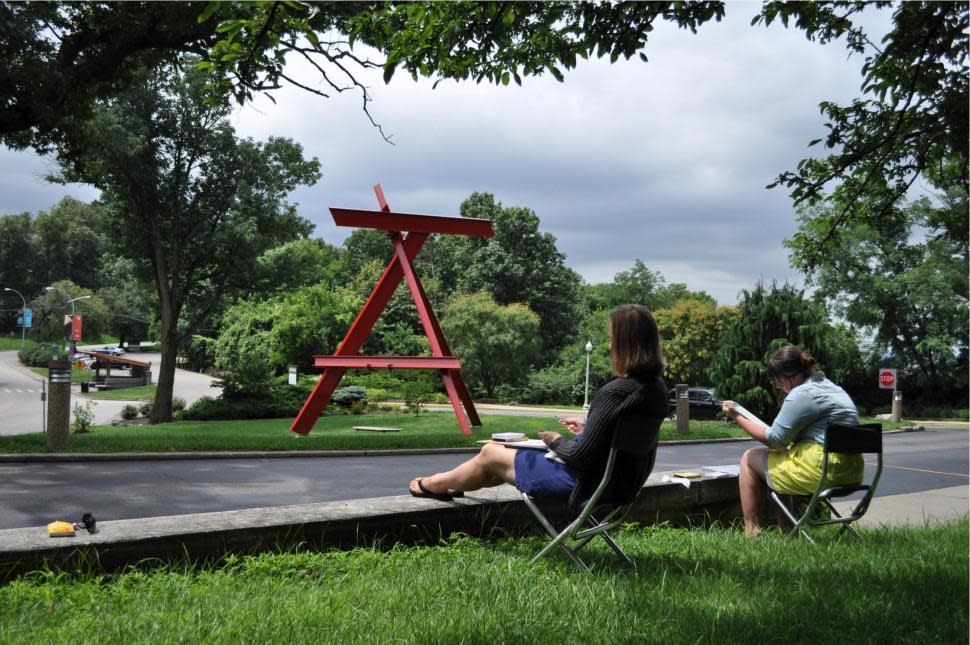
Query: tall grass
{"x":691,"y":586}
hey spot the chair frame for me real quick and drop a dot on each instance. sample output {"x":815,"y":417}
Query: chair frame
{"x":844,"y":439}
{"x":586,"y":526}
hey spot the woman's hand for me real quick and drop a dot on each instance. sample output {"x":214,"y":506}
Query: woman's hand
{"x":549,"y":437}
{"x":727,"y":407}
{"x":576,"y":425}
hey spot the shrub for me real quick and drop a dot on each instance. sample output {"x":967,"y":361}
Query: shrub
{"x":346,"y":397}
{"x":38,"y":355}
{"x":83,"y":418}
{"x":145,"y":409}
{"x":178,"y":404}
{"x":129,"y":412}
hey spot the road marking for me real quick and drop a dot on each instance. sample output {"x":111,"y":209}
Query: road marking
{"x":922,"y":470}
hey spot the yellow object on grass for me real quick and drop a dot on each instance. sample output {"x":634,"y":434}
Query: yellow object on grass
{"x":797,"y":470}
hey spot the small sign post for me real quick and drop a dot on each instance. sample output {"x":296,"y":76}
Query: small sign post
{"x":292,"y":375}
{"x":887,"y":381}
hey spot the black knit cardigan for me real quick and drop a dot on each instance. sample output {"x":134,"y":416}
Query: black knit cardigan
{"x":642,"y":397}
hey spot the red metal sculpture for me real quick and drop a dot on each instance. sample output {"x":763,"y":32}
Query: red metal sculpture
{"x":406,"y":248}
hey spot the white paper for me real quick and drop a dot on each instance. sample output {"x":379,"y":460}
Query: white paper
{"x":676,"y":480}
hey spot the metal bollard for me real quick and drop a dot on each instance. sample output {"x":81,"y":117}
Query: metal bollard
{"x":683,"y":409}
{"x":59,"y":405}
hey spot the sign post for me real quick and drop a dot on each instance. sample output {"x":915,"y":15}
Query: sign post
{"x":887,"y":381}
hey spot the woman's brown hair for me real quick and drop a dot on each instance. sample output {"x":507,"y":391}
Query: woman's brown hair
{"x":635,"y":342}
{"x":790,"y":361}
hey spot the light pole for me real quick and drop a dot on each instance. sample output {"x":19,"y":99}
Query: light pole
{"x":589,"y":350}
{"x":73,"y":300}
{"x":23,"y":320}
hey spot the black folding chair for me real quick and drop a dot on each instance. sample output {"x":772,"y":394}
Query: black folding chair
{"x":633,"y":452}
{"x":856,"y":440}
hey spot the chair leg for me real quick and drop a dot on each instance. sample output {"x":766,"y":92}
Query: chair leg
{"x":845,"y":526}
{"x":613,"y":545}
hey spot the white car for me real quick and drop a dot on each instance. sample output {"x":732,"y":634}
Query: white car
{"x":112,"y":350}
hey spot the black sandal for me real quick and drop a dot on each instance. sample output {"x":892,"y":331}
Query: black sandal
{"x":441,"y":497}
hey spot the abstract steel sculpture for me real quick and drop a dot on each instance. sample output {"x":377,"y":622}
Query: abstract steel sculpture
{"x":406,"y":248}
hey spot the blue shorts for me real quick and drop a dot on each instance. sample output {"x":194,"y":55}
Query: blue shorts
{"x":541,"y":477}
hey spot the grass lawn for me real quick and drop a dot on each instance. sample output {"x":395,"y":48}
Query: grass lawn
{"x":428,"y":430}
{"x":77,"y":375}
{"x":12,"y":342}
{"x":140,"y":393}
{"x":691,"y":586}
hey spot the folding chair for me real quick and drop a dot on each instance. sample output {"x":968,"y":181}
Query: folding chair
{"x":856,"y":440}
{"x":633,"y":452}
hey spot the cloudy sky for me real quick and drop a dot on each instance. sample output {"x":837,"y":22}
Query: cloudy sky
{"x":665,"y":161}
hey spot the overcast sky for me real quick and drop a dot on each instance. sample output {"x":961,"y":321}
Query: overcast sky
{"x":665,"y":161}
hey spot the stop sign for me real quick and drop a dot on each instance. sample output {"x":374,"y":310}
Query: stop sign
{"x":887,"y":379}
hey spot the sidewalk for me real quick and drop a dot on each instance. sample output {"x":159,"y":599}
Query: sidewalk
{"x":915,"y":509}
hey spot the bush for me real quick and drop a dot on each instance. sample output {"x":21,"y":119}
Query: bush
{"x":556,"y":384}
{"x":178,"y":404}
{"x":83,"y":419}
{"x":145,"y":409}
{"x":38,"y":355}
{"x":129,"y":412}
{"x":209,"y":409}
{"x":346,"y":397}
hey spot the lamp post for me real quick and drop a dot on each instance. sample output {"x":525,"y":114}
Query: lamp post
{"x":589,"y":350}
{"x":23,"y":320}
{"x":70,"y":300}
{"x":73,"y":300}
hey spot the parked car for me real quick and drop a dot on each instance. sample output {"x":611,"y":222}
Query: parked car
{"x":112,"y":350}
{"x":702,"y":402}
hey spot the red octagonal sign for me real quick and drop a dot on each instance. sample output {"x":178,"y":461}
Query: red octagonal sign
{"x":887,"y":378}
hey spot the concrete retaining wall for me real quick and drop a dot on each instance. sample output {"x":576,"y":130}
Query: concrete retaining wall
{"x":382,"y":520}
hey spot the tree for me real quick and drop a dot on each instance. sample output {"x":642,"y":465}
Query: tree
{"x":691,"y":332}
{"x":196,"y":205}
{"x":767,"y":319}
{"x":521,"y":264}
{"x":642,"y":286}
{"x":69,"y":243}
{"x":260,"y":338}
{"x":50,"y":307}
{"x":296,"y":264}
{"x":129,"y":301}
{"x":496,"y":344}
{"x":909,"y":291}
{"x":911,"y":122}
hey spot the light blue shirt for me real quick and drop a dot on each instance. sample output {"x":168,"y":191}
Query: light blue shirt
{"x":807,"y":410}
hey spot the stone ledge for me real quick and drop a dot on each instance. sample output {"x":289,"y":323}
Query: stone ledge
{"x":339,"y":524}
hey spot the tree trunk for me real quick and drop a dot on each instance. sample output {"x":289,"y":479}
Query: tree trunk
{"x":162,"y":408}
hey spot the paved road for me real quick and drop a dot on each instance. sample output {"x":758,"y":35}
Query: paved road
{"x":22,"y":411}
{"x":37,"y":493}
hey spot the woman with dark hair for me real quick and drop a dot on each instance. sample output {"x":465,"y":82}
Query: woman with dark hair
{"x":638,"y":390}
{"x":792,"y":459}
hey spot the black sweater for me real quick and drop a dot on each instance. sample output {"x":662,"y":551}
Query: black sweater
{"x":642,"y":397}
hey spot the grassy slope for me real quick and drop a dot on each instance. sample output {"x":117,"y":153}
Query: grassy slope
{"x":692,"y":585}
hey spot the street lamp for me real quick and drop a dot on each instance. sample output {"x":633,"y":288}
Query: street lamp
{"x":589,"y":349}
{"x":73,"y":300}
{"x":23,"y":320}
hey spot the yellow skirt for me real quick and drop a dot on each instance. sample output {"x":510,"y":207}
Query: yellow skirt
{"x":797,"y":471}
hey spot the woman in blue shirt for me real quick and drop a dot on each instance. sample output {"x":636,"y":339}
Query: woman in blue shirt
{"x":791,"y":462}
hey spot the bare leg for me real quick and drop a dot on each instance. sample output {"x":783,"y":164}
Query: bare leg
{"x":753,"y":489}
{"x":493,"y":465}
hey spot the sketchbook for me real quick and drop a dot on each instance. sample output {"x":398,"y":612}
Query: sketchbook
{"x":747,"y":414}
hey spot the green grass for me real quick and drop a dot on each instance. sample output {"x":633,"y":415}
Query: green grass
{"x":140,"y":393}
{"x":429,"y":430}
{"x":12,"y":342}
{"x":691,"y":586}
{"x":77,"y":375}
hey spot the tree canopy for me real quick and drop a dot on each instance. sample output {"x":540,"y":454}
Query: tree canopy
{"x":909,"y":122}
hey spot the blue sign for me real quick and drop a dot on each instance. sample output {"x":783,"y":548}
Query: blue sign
{"x":28,"y":318}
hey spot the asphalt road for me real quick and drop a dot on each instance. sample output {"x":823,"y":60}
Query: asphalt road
{"x":33,"y":494}
{"x":22,"y":411}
